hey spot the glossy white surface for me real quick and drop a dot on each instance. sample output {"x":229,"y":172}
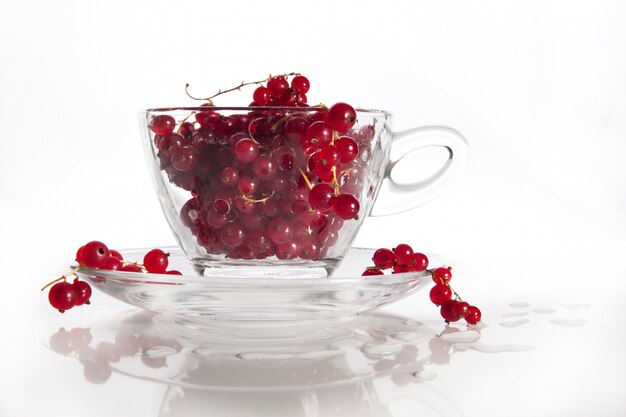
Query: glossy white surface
{"x":551,"y":345}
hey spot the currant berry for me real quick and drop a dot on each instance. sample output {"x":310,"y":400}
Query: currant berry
{"x":442,"y":275}
{"x":83,"y":292}
{"x":162,"y":124}
{"x":473,"y":315}
{"x":321,"y":196}
{"x":232,"y":234}
{"x":341,"y":117}
{"x":348,"y":149}
{"x":279,"y":231}
{"x":156,"y":261}
{"x":301,"y":83}
{"x":440,"y":293}
{"x":383,"y":258}
{"x":346,"y":206}
{"x":116,"y":254}
{"x":246,"y":150}
{"x":419,"y":262}
{"x":261,"y":96}
{"x":111,"y":264}
{"x":371,"y":272}
{"x":403,"y":253}
{"x":130,"y":268}
{"x":461,"y":309}
{"x":93,"y":254}
{"x":446,"y":311}
{"x":296,"y":128}
{"x":277,"y":85}
{"x":62,"y":296}
{"x":318,"y":134}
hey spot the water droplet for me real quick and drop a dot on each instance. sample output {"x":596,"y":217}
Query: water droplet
{"x":519,"y":304}
{"x":424,"y":375}
{"x":543,"y":310}
{"x":160,"y":351}
{"x":465,"y":336}
{"x":381,"y":349}
{"x":412,"y":323}
{"x":569,"y":322}
{"x":515,"y":314}
{"x":514,"y":323}
{"x":576,"y":306}
{"x":202,"y":351}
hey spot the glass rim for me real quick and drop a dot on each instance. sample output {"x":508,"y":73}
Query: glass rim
{"x":152,"y":110}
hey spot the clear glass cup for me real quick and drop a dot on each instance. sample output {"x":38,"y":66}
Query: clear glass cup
{"x":257,"y":191}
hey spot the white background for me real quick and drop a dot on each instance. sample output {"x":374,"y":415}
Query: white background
{"x":538,"y":88}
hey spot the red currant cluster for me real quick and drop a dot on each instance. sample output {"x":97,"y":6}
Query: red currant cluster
{"x":403,"y":259}
{"x":97,"y":255}
{"x":272,"y":181}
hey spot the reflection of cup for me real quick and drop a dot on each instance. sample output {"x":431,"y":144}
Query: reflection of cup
{"x":271,"y":189}
{"x":349,"y":367}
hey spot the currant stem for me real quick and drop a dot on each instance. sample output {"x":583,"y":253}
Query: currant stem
{"x":306,"y":179}
{"x":62,"y":278}
{"x":335,"y":182}
{"x":262,"y":200}
{"x":243,"y":84}
{"x":279,"y":122}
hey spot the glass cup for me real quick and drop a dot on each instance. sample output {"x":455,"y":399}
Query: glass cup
{"x":275,"y":191}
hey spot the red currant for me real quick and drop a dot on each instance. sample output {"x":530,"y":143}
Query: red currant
{"x":440,"y":293}
{"x":93,"y":254}
{"x":246,"y":150}
{"x":156,"y":261}
{"x":419,"y":262}
{"x":446,"y":311}
{"x":403,"y":253}
{"x":301,"y":83}
{"x":321,"y":197}
{"x":346,"y":206}
{"x":261,"y":96}
{"x":372,"y":272}
{"x":62,"y":296}
{"x":162,"y":124}
{"x":473,"y":315}
{"x":442,"y":275}
{"x":384,"y":258}
{"x":348,"y":149}
{"x":461,"y":309}
{"x":341,"y":117}
{"x":83,"y":292}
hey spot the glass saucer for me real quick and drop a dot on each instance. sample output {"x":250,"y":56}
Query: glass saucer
{"x":198,"y":299}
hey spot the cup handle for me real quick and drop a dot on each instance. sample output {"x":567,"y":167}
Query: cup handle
{"x":396,"y":197}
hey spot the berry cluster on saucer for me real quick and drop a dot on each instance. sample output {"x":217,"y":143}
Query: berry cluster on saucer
{"x":402,"y":259}
{"x":96,"y":255}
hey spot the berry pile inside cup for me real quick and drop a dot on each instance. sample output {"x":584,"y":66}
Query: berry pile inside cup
{"x":278,"y":181}
{"x":266,"y":182}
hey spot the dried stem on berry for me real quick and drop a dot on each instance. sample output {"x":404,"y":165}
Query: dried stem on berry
{"x":61,"y":278}
{"x":238,"y":87}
